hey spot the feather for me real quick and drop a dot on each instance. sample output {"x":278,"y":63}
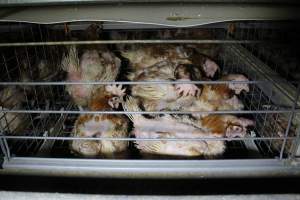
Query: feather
{"x":131,"y":105}
{"x":167,"y":126}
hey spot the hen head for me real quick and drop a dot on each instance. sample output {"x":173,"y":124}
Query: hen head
{"x":107,"y":98}
{"x":237,"y":127}
{"x":116,"y":93}
{"x":93,"y":31}
{"x":238,"y":87}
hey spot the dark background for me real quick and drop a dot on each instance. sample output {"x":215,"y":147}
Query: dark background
{"x":149,"y":187}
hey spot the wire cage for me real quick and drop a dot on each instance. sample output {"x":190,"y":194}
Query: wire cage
{"x":38,"y":115}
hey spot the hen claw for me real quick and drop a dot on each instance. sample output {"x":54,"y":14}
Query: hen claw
{"x":116,"y":90}
{"x":187,"y":90}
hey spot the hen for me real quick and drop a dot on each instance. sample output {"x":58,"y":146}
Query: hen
{"x":13,"y":123}
{"x":143,"y":56}
{"x":183,"y":127}
{"x":40,"y":67}
{"x":158,"y":97}
{"x":166,"y":96}
{"x":210,"y":50}
{"x":94,"y":62}
{"x":220,"y":96}
{"x":102,"y":125}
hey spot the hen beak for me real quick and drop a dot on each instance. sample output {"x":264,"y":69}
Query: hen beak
{"x":114,"y":102}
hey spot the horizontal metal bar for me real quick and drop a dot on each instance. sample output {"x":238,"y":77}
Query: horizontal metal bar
{"x":133,"y":168}
{"x":58,"y":196}
{"x":167,"y":14}
{"x":136,"y":82}
{"x":80,"y":26}
{"x":128,"y":82}
{"x":149,"y":112}
{"x":16,"y":44}
{"x":143,"y":139}
{"x":70,"y":2}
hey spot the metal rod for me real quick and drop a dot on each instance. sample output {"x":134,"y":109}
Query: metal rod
{"x":4,"y":146}
{"x":134,"y":82}
{"x":7,"y":149}
{"x":15,"y":44}
{"x":150,"y":112}
{"x":99,"y":2}
{"x":155,"y":168}
{"x":129,"y":82}
{"x":143,"y":139}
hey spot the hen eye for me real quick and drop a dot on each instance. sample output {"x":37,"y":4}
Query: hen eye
{"x":237,"y":128}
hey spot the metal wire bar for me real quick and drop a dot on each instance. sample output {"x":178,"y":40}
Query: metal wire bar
{"x":295,"y":146}
{"x":6,"y":68}
{"x":8,"y":99}
{"x":144,"y":139}
{"x":22,"y":71}
{"x":4,"y":146}
{"x":3,"y":149}
{"x":11,"y":69}
{"x":215,"y":82}
{"x":150,"y":112}
{"x":40,"y":126}
{"x":56,"y":130}
{"x":129,"y":82}
{"x":8,"y":123}
{"x":256,"y":102}
{"x":52,"y":61}
{"x":7,"y":149}
{"x":284,"y":84}
{"x":16,"y":44}
{"x":264,"y":127}
{"x":291,"y":117}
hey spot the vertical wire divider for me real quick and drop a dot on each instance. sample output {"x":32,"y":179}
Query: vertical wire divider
{"x":52,"y":63}
{"x":6,"y":68}
{"x":35,"y":89}
{"x":235,"y":67}
{"x":274,"y":131}
{"x":23,"y":89}
{"x":265,"y":116}
{"x":47,"y":145}
{"x":291,"y":117}
{"x":250,"y":61}
{"x":3,"y":150}
{"x":296,"y":144}
{"x":46,"y":60}
{"x":4,"y":147}
{"x":24,"y":56}
{"x":251,"y":145}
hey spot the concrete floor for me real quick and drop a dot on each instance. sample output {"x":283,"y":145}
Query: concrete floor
{"x":56,"y":196}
